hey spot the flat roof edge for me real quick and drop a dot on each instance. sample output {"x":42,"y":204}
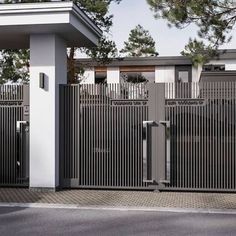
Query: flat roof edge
{"x":20,"y":7}
{"x":46,"y":7}
{"x":144,"y":61}
{"x":213,"y":73}
{"x":86,"y":20}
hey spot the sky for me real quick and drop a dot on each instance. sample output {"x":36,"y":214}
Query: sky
{"x":169,"y":41}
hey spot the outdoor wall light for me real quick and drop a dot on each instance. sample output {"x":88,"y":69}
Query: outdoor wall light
{"x":41,"y":80}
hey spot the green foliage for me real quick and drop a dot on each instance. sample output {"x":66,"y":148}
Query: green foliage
{"x":103,"y":53}
{"x":214,"y":18}
{"x":140,"y":43}
{"x":14,"y":66}
{"x":134,"y":78}
{"x":97,"y":10}
{"x":198,"y":52}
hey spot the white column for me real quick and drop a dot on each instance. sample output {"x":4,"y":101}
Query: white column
{"x":113,"y":75}
{"x":48,"y":56}
{"x":89,"y":76}
{"x":164,"y":74}
{"x":196,"y":73}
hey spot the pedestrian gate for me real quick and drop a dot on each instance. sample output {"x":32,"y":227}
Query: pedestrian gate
{"x":14,"y":135}
{"x":102,"y":135}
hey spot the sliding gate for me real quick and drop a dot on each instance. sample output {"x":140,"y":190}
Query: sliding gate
{"x":14,"y":135}
{"x":155,"y":136}
{"x":202,"y":135}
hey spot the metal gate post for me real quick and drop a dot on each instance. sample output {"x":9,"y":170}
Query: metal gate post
{"x":62,"y":133}
{"x":26,"y":130}
{"x":156,"y":112}
{"x":22,"y":129}
{"x":23,"y":135}
{"x":26,"y":102}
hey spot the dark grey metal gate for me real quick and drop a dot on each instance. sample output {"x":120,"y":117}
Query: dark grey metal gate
{"x":155,"y":136}
{"x":101,"y":139}
{"x":14,"y":135}
{"x":202,"y":136}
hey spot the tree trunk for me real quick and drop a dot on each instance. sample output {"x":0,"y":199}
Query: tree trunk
{"x":70,"y":66}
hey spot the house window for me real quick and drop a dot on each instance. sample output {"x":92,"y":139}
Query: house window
{"x":183,"y":76}
{"x":213,"y":68}
{"x":183,"y":79}
{"x":137,"y":75}
{"x":100,"y":77}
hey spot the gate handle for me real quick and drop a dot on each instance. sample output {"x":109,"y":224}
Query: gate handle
{"x":167,"y":158}
{"x":18,"y":123}
{"x":21,"y":145}
{"x":147,"y":160}
{"x":165,"y":123}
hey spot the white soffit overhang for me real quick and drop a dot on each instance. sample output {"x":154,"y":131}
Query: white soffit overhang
{"x":19,"y":21}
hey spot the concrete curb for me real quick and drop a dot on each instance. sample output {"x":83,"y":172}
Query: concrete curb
{"x":110,"y":208}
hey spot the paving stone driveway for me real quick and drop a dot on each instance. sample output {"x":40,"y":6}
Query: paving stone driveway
{"x":94,"y":198}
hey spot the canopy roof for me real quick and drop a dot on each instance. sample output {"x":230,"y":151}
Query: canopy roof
{"x":19,"y":21}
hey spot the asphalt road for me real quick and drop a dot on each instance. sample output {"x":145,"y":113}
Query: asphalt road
{"x":34,"y":221}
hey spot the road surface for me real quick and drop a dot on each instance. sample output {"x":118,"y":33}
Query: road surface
{"x":40,"y":221}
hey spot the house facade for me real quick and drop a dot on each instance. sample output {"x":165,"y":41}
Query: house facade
{"x":156,"y":69}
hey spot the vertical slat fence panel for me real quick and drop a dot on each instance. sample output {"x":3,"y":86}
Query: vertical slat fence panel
{"x":13,"y":166}
{"x":102,"y":142}
{"x":108,"y":122}
{"x":202,"y":135}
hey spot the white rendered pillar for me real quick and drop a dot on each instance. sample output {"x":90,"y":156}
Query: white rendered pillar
{"x":89,"y":76}
{"x":48,"y":56}
{"x":113,"y":75}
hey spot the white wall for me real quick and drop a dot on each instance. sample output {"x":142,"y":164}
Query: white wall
{"x":229,"y":65}
{"x":48,"y":56}
{"x":196,"y":73}
{"x":164,"y":74}
{"x":89,"y":76}
{"x":113,"y":75}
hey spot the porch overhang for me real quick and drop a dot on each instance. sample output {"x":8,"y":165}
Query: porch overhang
{"x":65,"y":19}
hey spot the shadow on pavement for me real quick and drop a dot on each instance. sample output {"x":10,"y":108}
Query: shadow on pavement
{"x":6,"y":210}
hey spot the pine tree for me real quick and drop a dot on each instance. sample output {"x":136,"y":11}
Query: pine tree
{"x":140,"y":43}
{"x":215,"y":20}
